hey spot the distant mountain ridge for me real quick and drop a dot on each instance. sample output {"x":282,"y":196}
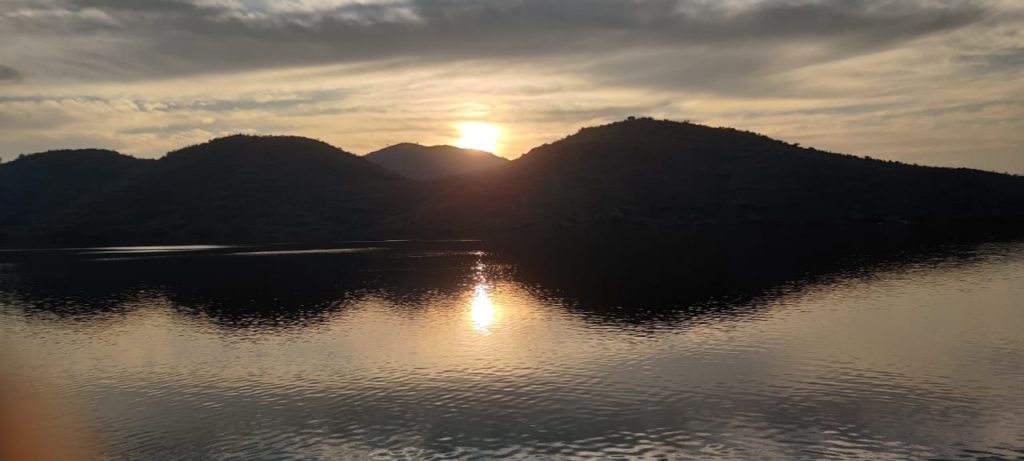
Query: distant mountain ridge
{"x":432,"y":162}
{"x":636,"y":175}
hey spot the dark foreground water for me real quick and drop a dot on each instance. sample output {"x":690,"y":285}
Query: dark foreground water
{"x":385,"y":350}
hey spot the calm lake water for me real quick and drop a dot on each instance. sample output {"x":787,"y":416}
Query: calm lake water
{"x":446,"y":350}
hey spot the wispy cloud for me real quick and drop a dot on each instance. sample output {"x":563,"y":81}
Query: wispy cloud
{"x":158,"y":38}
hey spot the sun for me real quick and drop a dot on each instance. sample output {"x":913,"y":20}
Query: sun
{"x":479,"y":136}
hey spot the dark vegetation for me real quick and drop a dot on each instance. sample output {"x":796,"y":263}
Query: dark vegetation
{"x":238,"y":188}
{"x":636,"y":176}
{"x":432,"y":162}
{"x":39,"y":188}
{"x":668,"y":176}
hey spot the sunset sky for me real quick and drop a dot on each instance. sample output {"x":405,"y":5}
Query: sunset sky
{"x":926,"y":81}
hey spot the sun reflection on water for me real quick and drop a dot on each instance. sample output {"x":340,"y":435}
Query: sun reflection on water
{"x":481,"y":309}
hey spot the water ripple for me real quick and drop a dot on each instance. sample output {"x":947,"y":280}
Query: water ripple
{"x":383,"y":360}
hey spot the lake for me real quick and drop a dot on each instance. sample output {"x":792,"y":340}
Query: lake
{"x":467,"y":350}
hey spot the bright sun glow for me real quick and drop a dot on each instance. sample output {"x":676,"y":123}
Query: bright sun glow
{"x":479,"y":136}
{"x":481,"y":310}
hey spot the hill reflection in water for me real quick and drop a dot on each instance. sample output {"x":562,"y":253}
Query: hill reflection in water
{"x":600,"y":280}
{"x":728,"y":348}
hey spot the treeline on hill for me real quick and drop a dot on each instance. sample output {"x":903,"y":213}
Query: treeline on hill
{"x":633,"y":176}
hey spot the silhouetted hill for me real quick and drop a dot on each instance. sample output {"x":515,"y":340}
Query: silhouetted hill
{"x":630,"y":176}
{"x":432,"y":162}
{"x":670,"y":176}
{"x":242,"y":188}
{"x":36,"y":188}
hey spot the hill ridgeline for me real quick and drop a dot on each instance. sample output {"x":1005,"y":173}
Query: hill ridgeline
{"x":432,"y":162}
{"x":636,"y":175}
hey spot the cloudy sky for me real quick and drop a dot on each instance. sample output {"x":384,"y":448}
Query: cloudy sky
{"x":926,"y":81}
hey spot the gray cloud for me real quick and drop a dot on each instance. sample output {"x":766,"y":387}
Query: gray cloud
{"x":125,"y":39}
{"x":8,"y":74}
{"x":1005,"y":60}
